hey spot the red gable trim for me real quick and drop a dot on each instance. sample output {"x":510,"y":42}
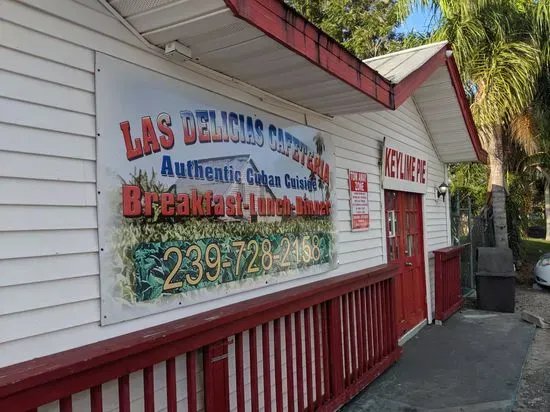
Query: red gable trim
{"x":465,"y":108}
{"x":286,"y":26}
{"x":406,"y":87}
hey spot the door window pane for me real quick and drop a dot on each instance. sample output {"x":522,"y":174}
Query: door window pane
{"x":410,"y":246}
{"x":392,"y":224}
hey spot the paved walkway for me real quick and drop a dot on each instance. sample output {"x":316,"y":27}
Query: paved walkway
{"x":472,"y":363}
{"x":534,"y":388}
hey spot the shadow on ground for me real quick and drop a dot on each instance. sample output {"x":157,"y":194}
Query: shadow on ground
{"x":472,"y":363}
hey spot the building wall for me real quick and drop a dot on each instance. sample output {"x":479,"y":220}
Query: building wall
{"x":49,"y":271}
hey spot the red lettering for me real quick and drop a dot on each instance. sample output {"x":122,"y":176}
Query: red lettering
{"x":189,"y":127}
{"x":219,"y":206}
{"x":149,"y":199}
{"x":208,"y":203}
{"x":150,"y":140}
{"x":387,"y":169}
{"x":299,"y":206}
{"x":393,"y":164}
{"x":239,"y":205}
{"x":196,"y":203}
{"x":132,"y":152}
{"x":230,"y":201}
{"x":131,"y":201}
{"x":164,"y":124}
{"x":252,"y":204}
{"x":183,"y":204}
{"x":167,"y":203}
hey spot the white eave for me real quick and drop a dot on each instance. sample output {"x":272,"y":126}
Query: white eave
{"x":436,"y":95}
{"x":271,"y":47}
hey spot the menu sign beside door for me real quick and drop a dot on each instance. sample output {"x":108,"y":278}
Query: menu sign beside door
{"x":359,"y":200}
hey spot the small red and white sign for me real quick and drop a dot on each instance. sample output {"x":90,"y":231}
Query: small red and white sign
{"x":403,"y":169}
{"x":359,"y":200}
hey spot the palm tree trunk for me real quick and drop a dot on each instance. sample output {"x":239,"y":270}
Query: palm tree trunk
{"x":496,"y":186}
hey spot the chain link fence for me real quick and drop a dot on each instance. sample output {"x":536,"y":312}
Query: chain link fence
{"x":470,"y":232}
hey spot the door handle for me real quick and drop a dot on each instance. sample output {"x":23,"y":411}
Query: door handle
{"x":408,"y":264}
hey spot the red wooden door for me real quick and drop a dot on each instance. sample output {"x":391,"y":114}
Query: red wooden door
{"x":405,"y":246}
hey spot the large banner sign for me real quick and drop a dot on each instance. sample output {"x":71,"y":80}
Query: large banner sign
{"x":403,"y":169}
{"x":200,"y":196}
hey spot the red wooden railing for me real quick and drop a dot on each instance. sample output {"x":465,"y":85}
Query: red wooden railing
{"x":448,"y":293}
{"x":323,"y":343}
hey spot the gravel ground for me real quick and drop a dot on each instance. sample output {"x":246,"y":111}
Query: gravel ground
{"x":534,"y":388}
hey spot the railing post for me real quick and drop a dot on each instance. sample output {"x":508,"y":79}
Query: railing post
{"x":216,"y":376}
{"x":438,"y":275}
{"x":393,"y":313}
{"x":335,"y":347}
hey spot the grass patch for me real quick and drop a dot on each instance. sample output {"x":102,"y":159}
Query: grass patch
{"x":534,"y":248}
{"x":531,"y":251}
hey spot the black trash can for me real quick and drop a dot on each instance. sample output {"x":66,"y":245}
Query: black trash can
{"x":495,"y":279}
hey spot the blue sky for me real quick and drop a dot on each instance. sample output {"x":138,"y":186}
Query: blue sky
{"x":418,"y":21}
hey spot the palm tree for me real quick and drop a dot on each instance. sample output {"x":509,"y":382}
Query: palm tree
{"x":500,"y":60}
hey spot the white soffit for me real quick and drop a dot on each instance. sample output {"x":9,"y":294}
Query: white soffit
{"x":236,"y":48}
{"x":438,"y":104}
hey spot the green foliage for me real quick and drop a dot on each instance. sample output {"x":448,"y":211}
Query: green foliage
{"x":365,"y":27}
{"x":470,"y":180}
{"x":496,"y":51}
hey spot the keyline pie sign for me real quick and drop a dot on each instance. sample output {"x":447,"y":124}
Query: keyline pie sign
{"x":359,"y":200}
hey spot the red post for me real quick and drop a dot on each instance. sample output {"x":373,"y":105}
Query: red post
{"x":352,"y":337}
{"x":309,"y":369}
{"x":365,"y":328}
{"x":191,"y":381}
{"x":66,"y":404}
{"x":317,"y":347}
{"x":360,"y":333}
{"x":289,"y":366}
{"x":216,"y":376}
{"x":345,"y":340}
{"x":299,"y":362}
{"x":439,"y":288}
{"x":149,"y":389}
{"x":266,"y":360}
{"x":277,"y":347}
{"x":326,"y":352}
{"x":124,"y":393}
{"x":253,"y":369}
{"x":370,"y":326}
{"x":96,"y":399}
{"x":171,"y":396}
{"x":239,"y":371}
{"x":335,"y":347}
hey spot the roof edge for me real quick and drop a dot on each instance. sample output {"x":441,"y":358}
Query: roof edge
{"x":396,"y":53}
{"x":286,"y":26}
{"x":465,"y":108}
{"x":406,"y":88}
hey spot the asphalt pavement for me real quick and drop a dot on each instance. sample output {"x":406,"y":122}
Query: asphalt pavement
{"x":472,"y":363}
